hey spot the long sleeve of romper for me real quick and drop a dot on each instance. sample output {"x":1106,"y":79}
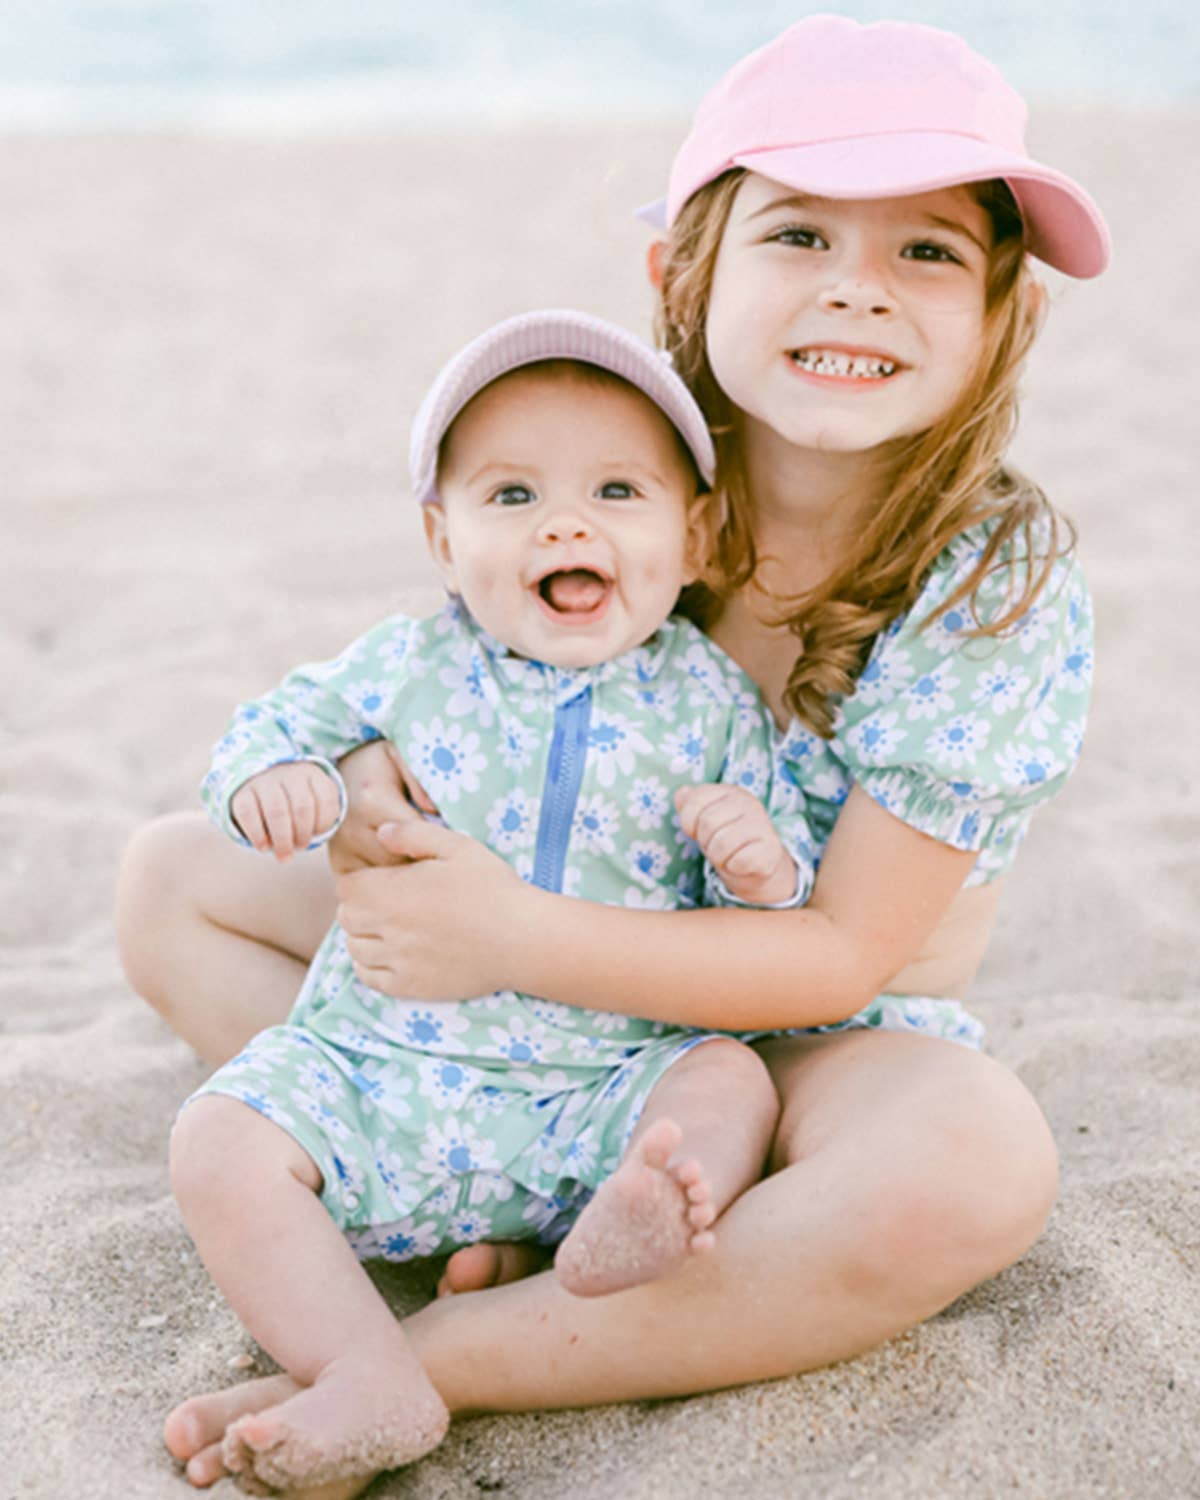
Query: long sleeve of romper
{"x":318,"y":713}
{"x":753,"y":764}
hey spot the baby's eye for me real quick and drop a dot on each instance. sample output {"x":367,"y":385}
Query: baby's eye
{"x":617,"y":489}
{"x":801,"y":236}
{"x":930,"y":250}
{"x":514,"y":494}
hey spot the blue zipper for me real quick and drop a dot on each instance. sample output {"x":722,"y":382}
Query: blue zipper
{"x":564,"y":776}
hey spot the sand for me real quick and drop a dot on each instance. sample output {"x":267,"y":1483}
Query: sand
{"x":209,"y":354}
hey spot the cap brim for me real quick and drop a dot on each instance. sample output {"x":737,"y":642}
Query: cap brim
{"x":654,"y":214}
{"x":552,"y":333}
{"x":1063,"y":226}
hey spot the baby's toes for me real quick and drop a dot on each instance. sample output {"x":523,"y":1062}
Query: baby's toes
{"x":656,"y":1146}
{"x":701,"y":1215}
{"x":690,"y":1175}
{"x":206,"y":1467}
{"x":705,"y":1240}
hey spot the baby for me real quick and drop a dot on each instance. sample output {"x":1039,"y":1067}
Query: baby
{"x":547,"y":710}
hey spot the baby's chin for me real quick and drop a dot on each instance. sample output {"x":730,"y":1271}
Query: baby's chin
{"x":577,"y":651}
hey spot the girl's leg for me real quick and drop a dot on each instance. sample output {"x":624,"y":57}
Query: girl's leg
{"x":702,"y":1138}
{"x":908,"y":1171}
{"x":215,"y":937}
{"x":248,"y":1194}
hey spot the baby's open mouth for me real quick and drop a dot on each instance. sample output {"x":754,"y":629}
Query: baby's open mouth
{"x":574,"y":593}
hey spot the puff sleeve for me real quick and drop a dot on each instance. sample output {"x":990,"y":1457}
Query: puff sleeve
{"x":963,"y":736}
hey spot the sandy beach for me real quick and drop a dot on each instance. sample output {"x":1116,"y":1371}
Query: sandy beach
{"x":210,"y":351}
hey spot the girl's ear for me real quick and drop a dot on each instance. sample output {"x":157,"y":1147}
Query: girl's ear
{"x":699,"y":539}
{"x":1037,"y":300}
{"x":655,"y":254}
{"x":436,"y":534}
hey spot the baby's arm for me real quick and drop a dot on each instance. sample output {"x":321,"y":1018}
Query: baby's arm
{"x":741,"y":844}
{"x":283,"y":808}
{"x":752,"y":825}
{"x":301,"y":729}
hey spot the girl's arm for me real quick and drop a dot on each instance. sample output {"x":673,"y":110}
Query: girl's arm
{"x":458,"y":922}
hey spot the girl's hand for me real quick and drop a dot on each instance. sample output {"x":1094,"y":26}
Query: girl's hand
{"x":442,"y":923}
{"x":379,"y":789}
{"x":285,"y":807}
{"x":739,"y":840}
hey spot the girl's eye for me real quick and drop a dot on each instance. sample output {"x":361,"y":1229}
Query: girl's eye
{"x":514,"y":494}
{"x":796,"y":234}
{"x":929,"y":250}
{"x":617,"y":489}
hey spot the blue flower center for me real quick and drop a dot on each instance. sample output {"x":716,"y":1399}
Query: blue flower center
{"x":459,"y":1159}
{"x":444,"y":759}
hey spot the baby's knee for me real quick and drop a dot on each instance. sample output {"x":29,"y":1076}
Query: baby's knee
{"x":205,"y":1145}
{"x":221,"y":1149}
{"x":731,"y":1070}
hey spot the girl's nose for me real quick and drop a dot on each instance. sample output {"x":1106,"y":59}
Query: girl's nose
{"x":858,"y":290}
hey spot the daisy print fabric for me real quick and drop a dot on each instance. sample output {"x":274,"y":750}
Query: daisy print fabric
{"x":961,"y":736}
{"x":437,"y":1124}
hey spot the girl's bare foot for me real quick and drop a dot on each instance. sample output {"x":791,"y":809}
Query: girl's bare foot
{"x":643,"y":1221}
{"x":476,"y":1267}
{"x":368,"y":1411}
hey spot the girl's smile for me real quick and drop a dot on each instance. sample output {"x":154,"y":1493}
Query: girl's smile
{"x":845,"y":364}
{"x":843,"y":325}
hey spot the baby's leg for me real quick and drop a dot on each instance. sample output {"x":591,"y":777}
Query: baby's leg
{"x":248,"y":1194}
{"x":702,"y":1139}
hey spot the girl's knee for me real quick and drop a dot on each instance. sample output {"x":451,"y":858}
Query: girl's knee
{"x":151,"y":885}
{"x":975,"y":1180}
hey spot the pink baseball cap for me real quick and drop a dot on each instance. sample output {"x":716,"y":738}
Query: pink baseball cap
{"x":557,"y":333}
{"x":842,"y":110}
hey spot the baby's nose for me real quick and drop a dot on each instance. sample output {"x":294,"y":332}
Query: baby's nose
{"x":565,"y":526}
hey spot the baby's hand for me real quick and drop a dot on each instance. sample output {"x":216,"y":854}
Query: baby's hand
{"x":737,"y":837}
{"x":284,"y":808}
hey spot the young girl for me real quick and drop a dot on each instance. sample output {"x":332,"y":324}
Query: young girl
{"x":845,"y":283}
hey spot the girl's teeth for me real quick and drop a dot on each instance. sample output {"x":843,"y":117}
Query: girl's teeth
{"x":857,"y":366}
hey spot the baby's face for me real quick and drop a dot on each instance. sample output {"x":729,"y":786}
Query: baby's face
{"x":564,"y":516}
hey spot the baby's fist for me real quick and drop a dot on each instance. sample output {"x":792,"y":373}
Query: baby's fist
{"x":737,"y":837}
{"x":284,"y":808}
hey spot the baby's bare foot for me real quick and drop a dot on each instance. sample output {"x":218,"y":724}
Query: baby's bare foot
{"x":643,"y":1221}
{"x":364,"y":1413}
{"x":474,"y":1268}
{"x":194,"y":1430}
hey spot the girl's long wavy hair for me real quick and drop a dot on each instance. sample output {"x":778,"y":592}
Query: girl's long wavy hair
{"x":949,"y":477}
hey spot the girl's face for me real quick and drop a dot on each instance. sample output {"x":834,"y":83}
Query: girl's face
{"x":842,"y":325}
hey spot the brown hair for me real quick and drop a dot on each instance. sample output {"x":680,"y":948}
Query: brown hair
{"x":946,"y":478}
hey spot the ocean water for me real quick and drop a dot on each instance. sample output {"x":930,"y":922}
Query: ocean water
{"x":294,"y":66}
